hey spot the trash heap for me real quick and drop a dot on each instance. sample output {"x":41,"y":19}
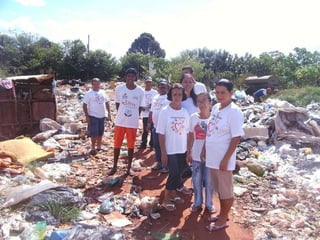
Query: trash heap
{"x":63,"y":193}
{"x":277,"y":181}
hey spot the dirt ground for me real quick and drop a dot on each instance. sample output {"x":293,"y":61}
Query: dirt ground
{"x":190,"y":226}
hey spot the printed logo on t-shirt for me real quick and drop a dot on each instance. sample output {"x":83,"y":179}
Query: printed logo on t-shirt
{"x":177,"y":125}
{"x":200,"y":130}
{"x":213,"y":124}
{"x":99,"y":98}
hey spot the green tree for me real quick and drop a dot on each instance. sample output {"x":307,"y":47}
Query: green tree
{"x":73,"y":65}
{"x":146,"y":44}
{"x":102,"y":65}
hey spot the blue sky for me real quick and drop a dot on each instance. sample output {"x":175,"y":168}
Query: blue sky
{"x":237,"y":26}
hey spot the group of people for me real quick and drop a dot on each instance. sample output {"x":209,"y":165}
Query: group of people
{"x":185,"y":129}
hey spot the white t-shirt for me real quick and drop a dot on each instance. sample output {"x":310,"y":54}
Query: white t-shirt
{"x":95,"y":101}
{"x":130,"y":101}
{"x":199,"y":88}
{"x":198,"y":127}
{"x":189,"y":106}
{"x":158,"y":102}
{"x":147,"y":99}
{"x":174,"y":124}
{"x":223,"y":125}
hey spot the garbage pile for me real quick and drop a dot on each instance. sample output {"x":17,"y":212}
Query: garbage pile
{"x":277,"y":181}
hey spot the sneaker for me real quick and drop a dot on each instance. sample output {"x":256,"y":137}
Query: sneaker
{"x":164,"y":170}
{"x":184,"y":190}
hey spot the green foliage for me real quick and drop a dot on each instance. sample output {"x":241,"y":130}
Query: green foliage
{"x":300,"y":96}
{"x":61,"y":210}
{"x":138,"y":61}
{"x":147,"y":45}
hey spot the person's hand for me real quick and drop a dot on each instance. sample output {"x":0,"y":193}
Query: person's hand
{"x":164,"y":159}
{"x":203,"y":155}
{"x":88,"y":119}
{"x":223,"y":165}
{"x":149,"y":126}
{"x":189,"y":157}
{"x":109,"y":118}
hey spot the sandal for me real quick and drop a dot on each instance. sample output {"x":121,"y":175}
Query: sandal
{"x":177,"y":199}
{"x":213,"y":227}
{"x":214,"y":218}
{"x":170,"y":207}
{"x":195,"y":208}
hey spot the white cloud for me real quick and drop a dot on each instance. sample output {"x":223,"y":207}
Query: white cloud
{"x":35,"y":3}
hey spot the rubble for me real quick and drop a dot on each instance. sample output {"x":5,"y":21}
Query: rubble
{"x":277,"y":183}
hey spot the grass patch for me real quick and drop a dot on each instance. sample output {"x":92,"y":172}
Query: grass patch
{"x":299,"y":97}
{"x":60,"y":209}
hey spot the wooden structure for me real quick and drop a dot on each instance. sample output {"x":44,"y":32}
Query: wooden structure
{"x":24,"y":101}
{"x":255,"y":83}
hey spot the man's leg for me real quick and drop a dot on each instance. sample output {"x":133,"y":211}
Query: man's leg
{"x":116,"y":154}
{"x":130,"y":157}
{"x":144,"y":136}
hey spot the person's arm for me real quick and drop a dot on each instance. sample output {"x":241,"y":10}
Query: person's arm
{"x":189,"y":146}
{"x":85,"y":110}
{"x":232,"y":147}
{"x":108,"y":110}
{"x":150,"y":121}
{"x":162,"y":142}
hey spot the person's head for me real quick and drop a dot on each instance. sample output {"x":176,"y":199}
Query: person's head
{"x":176,"y":93}
{"x":187,"y":69}
{"x":224,"y":91}
{"x":269,"y":90}
{"x":187,"y":82}
{"x":163,"y":86}
{"x":148,"y":83}
{"x":95,"y":83}
{"x":204,"y":102}
{"x":130,"y":75}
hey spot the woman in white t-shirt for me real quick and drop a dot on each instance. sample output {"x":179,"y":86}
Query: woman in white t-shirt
{"x":224,"y":131}
{"x":173,"y":129}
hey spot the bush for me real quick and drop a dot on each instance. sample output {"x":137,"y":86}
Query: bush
{"x":300,"y":97}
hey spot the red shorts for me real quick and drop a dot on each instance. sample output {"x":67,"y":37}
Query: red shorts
{"x":120,"y":132}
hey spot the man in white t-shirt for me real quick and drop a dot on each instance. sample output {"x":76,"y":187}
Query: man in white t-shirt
{"x":158,"y":103}
{"x":128,"y":98}
{"x":149,"y":93}
{"x":198,"y":86}
{"x":95,"y":104}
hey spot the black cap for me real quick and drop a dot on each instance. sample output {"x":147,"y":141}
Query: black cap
{"x":131,"y":70}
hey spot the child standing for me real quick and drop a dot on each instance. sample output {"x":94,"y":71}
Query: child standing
{"x":196,"y":139}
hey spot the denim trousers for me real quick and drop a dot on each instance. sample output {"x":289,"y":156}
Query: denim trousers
{"x":176,"y":165}
{"x":201,"y":178}
{"x":156,"y":146}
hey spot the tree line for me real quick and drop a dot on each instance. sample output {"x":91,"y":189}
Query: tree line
{"x":25,"y":54}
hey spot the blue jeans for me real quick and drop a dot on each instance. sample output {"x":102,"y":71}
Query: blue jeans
{"x":156,"y":146}
{"x":201,"y":178}
{"x":176,"y":166}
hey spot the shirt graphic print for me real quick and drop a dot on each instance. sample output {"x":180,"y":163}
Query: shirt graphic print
{"x":178,"y":125}
{"x":213,"y":124}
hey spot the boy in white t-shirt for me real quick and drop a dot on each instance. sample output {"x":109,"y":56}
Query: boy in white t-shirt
{"x":149,"y":93}
{"x":95,"y":104}
{"x":128,"y":98}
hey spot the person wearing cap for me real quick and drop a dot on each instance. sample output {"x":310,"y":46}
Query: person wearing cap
{"x":128,"y":98}
{"x":198,"y":86}
{"x":149,"y":93}
{"x":258,"y":95}
{"x":158,"y":102}
{"x":95,"y":104}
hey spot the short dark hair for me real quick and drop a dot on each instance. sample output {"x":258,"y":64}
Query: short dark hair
{"x":187,"y":67}
{"x":226,"y":83}
{"x":205,"y":94}
{"x":176,"y":86}
{"x":95,"y":79}
{"x":131,"y":70}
